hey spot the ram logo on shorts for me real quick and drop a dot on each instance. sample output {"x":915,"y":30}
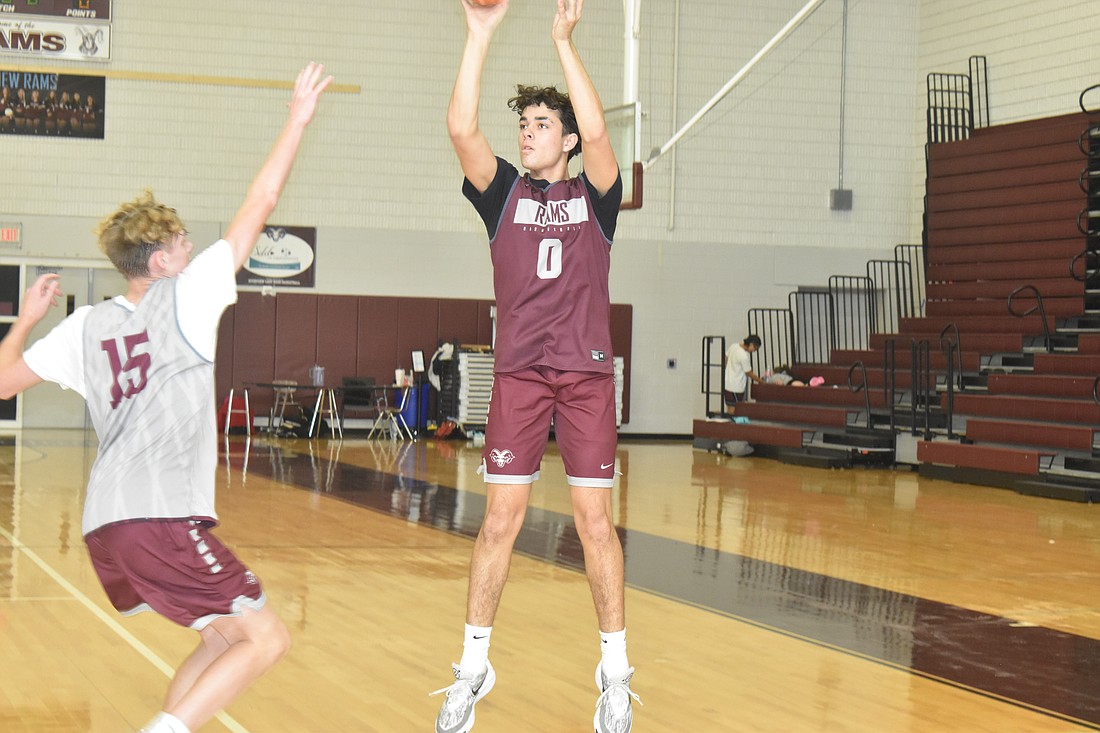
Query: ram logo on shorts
{"x":501,"y":457}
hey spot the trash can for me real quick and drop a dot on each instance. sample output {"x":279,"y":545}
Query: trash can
{"x":415,"y":413}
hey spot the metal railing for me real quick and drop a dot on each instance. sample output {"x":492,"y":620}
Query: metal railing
{"x":1048,"y":344}
{"x":842,"y":315}
{"x":950,"y":115}
{"x":921,"y":388}
{"x":958,"y":103}
{"x":950,"y":348}
{"x":890,"y":379}
{"x":894,"y":294}
{"x":861,"y":387}
{"x":1081,"y":100}
{"x":913,"y":256}
{"x":776,"y":329}
{"x":854,"y":307}
{"x":979,"y":80}
{"x":706,"y":377}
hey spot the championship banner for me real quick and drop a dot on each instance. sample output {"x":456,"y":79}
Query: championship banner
{"x":283,"y":257}
{"x":51,"y":104}
{"x":78,"y":30}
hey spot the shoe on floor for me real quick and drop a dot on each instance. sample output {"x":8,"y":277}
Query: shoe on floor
{"x":613,"y":707}
{"x":457,"y":713}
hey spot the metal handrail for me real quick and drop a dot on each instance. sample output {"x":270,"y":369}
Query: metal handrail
{"x":1096,"y":390}
{"x":950,"y":348}
{"x":957,"y":344}
{"x":1038,"y":307}
{"x":1081,"y":100}
{"x":889,"y":378}
{"x":854,"y":388}
{"x":920,"y":366}
{"x":1073,"y":265}
{"x":1084,"y":177}
{"x":704,"y":376}
{"x":1085,"y":213}
{"x":1084,"y":138}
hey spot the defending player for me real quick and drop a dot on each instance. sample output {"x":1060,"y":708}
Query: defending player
{"x":144,"y":363}
{"x":550,"y":239}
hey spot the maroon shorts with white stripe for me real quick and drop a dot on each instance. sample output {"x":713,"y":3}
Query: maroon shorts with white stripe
{"x":177,"y":568}
{"x":582,"y":405}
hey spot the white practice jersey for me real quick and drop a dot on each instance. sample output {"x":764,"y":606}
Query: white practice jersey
{"x":149,"y":384}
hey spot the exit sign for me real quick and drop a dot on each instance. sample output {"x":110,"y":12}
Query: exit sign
{"x":11,"y":234}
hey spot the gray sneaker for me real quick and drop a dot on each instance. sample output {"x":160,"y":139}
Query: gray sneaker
{"x":457,"y":713}
{"x":613,"y":707}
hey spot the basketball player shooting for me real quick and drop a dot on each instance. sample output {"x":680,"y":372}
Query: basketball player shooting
{"x":550,"y":243}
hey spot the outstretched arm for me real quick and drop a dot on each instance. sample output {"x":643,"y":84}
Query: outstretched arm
{"x":268,"y":184}
{"x":599,"y":157}
{"x":15,"y":375}
{"x":474,"y":153}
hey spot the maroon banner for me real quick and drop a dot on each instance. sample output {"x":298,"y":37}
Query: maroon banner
{"x":78,"y":9}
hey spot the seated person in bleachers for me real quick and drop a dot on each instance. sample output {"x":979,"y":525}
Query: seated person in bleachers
{"x":782,"y":377}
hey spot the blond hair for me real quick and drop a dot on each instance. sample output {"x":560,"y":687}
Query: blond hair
{"x":136,"y":230}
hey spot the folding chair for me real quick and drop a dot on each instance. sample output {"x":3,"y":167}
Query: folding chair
{"x":392,"y":420}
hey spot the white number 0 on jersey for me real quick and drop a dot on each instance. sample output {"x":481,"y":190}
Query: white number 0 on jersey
{"x":549,"y":266}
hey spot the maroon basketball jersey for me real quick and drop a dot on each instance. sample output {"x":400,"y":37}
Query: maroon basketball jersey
{"x":551,"y":261}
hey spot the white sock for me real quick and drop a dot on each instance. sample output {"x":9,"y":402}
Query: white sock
{"x":475,"y":649}
{"x":165,"y":723}
{"x":613,"y":654}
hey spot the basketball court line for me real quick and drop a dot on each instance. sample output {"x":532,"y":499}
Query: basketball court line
{"x":138,"y":646}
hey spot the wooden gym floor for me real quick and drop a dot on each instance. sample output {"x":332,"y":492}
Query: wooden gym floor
{"x":762,"y":597}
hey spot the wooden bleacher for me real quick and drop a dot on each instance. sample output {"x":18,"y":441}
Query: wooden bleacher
{"x":1002,"y":214}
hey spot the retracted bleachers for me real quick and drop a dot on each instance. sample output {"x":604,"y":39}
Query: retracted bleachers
{"x":1003,"y":215}
{"x":1003,"y":221}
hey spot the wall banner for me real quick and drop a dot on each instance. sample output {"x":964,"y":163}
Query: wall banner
{"x":283,"y":257}
{"x":51,"y":104}
{"x":78,"y":9}
{"x":77,"y":30}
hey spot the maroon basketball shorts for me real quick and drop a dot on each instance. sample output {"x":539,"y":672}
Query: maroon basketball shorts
{"x":177,"y":568}
{"x":582,"y":405}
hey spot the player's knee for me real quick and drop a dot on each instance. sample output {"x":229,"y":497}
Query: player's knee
{"x":501,"y":524}
{"x":276,"y":642}
{"x":594,"y":524}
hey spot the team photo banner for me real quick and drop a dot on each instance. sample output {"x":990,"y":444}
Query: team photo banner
{"x":59,"y":105}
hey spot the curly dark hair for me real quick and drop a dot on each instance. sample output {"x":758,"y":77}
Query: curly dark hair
{"x":527,"y":96}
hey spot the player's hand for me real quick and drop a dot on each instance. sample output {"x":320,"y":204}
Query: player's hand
{"x":569,"y":13}
{"x":484,"y":18}
{"x":40,"y":297}
{"x":308,"y":87}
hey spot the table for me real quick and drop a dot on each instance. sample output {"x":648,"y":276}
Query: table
{"x":324,"y":404}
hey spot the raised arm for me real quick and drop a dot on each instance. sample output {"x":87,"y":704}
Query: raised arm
{"x":474,"y":153}
{"x":15,"y":375}
{"x":268,"y":184}
{"x":599,"y":157}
